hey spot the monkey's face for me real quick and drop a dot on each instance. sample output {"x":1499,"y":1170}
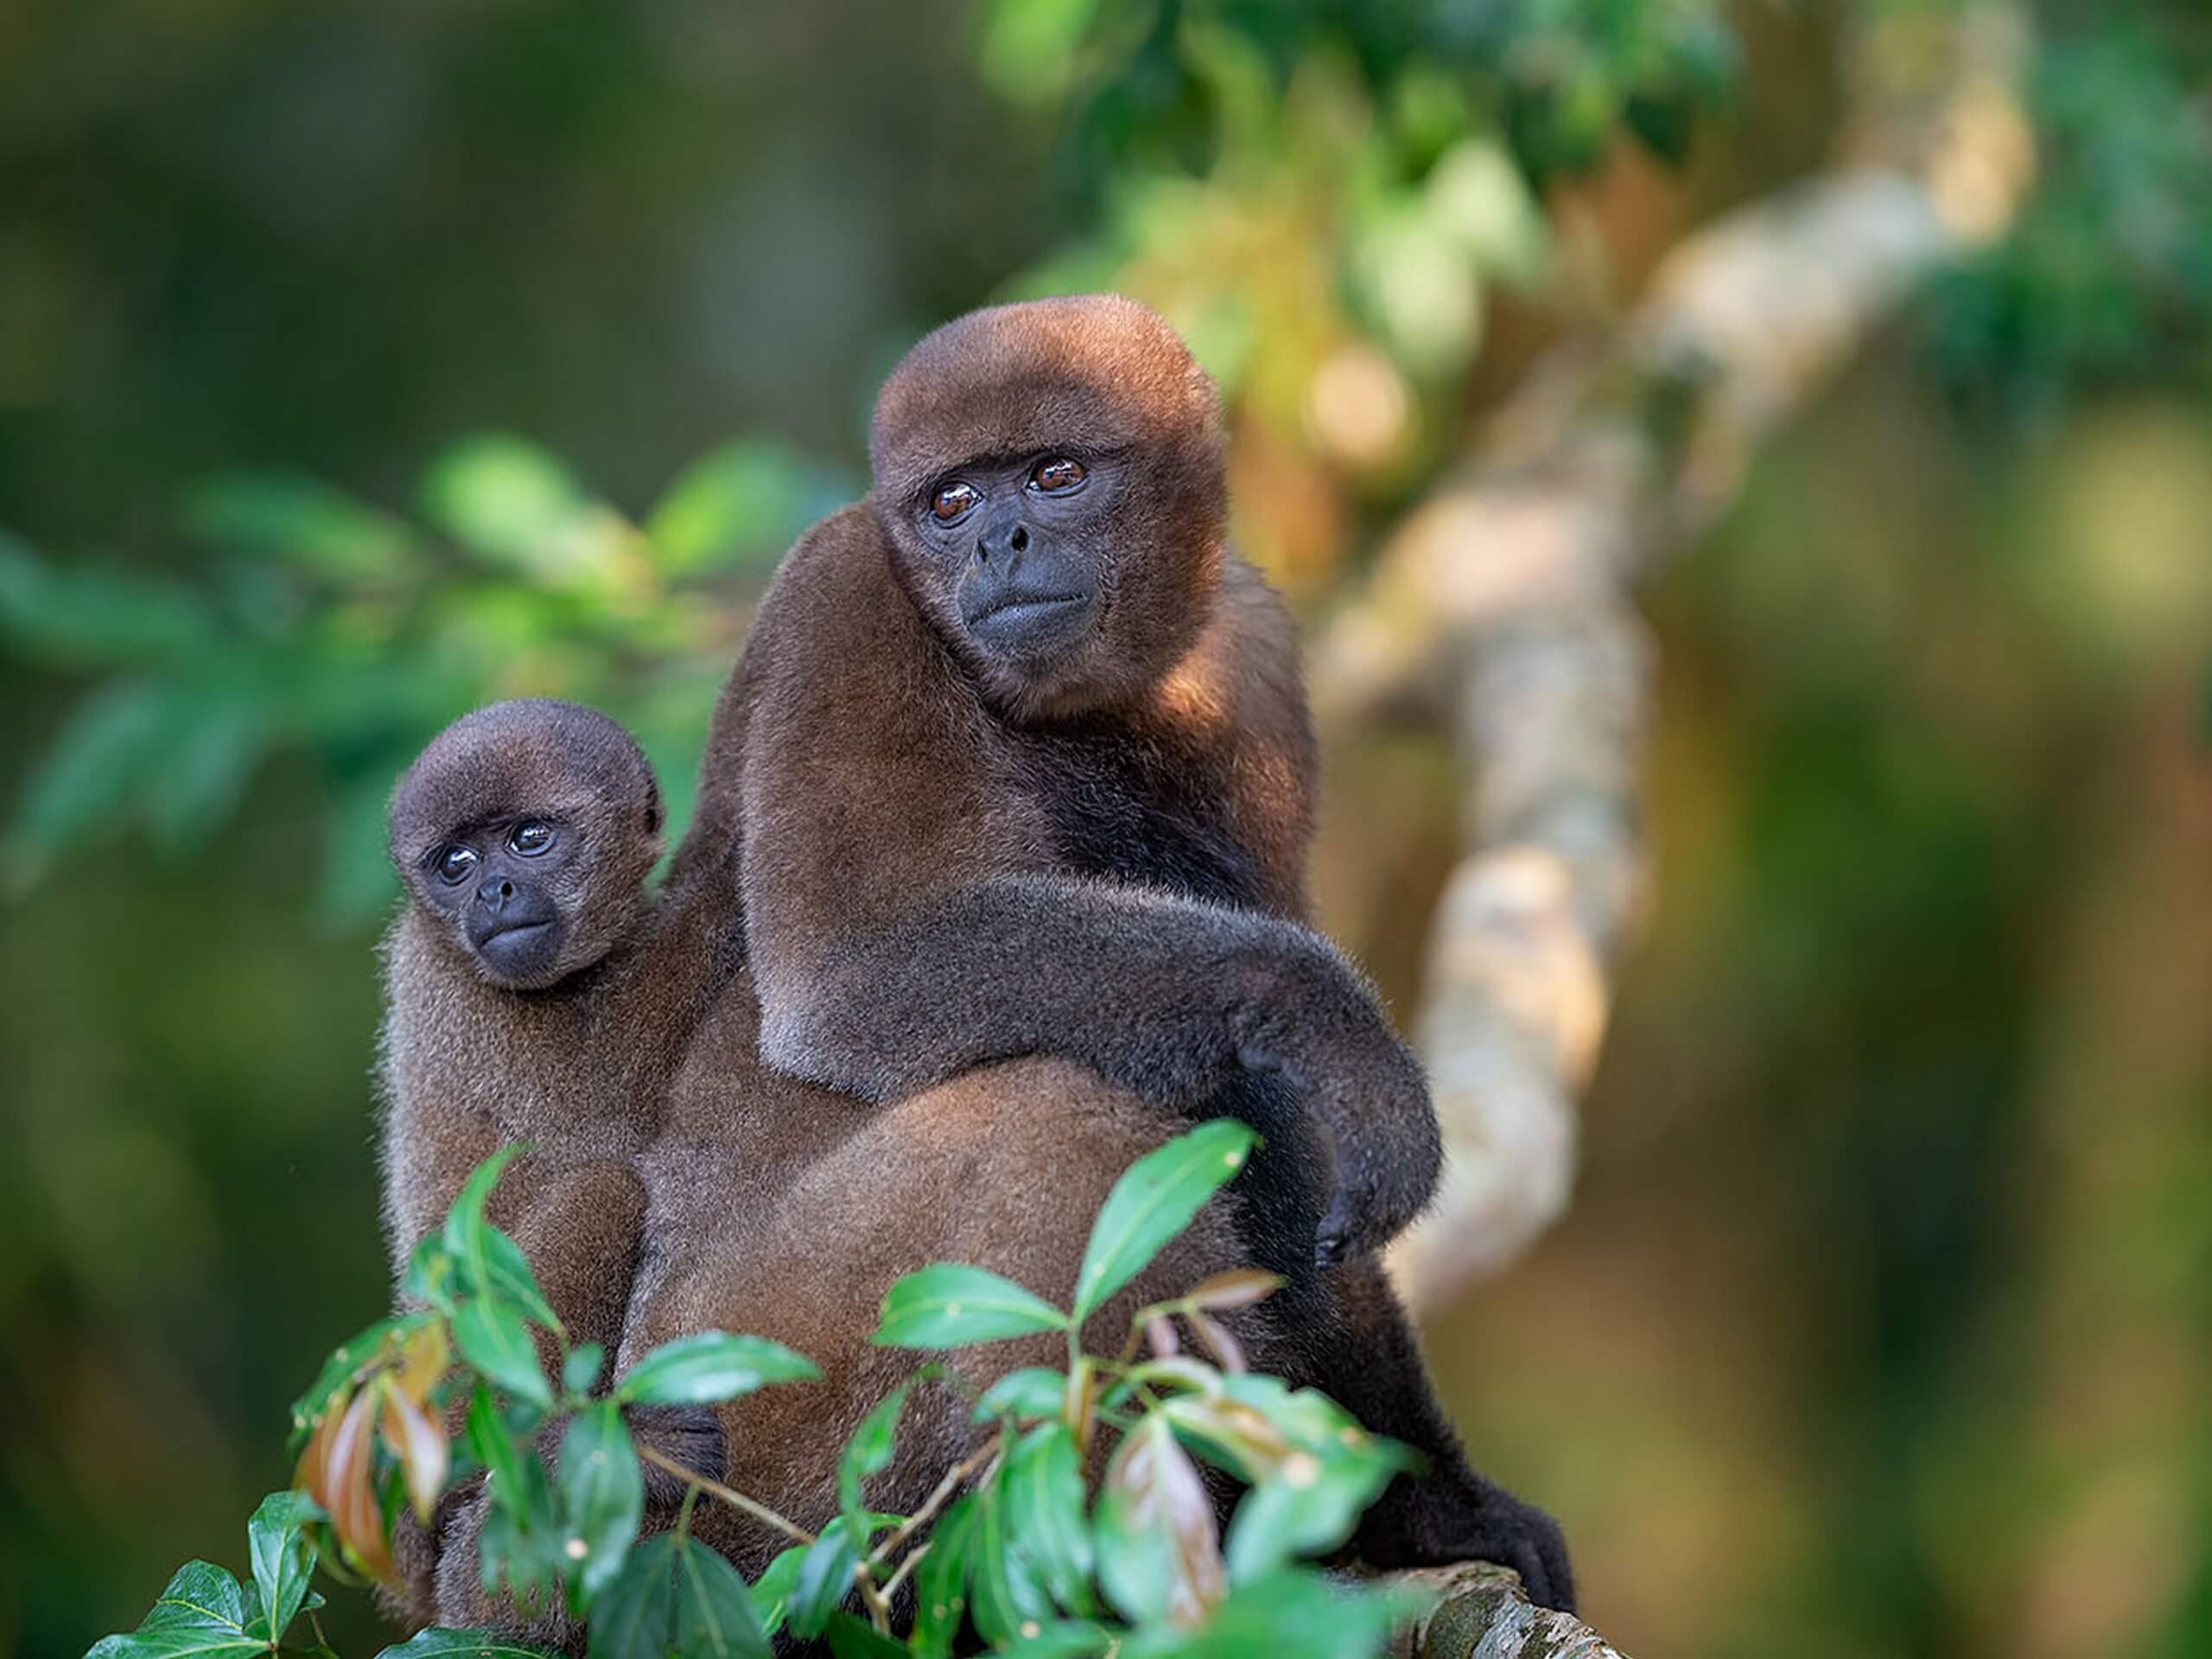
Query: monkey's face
{"x":525,"y":831}
{"x":1018,"y":545}
{"x":1049,"y":477}
{"x":502,"y":887}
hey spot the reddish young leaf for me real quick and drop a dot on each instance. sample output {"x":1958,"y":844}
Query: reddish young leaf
{"x":355,"y":1515}
{"x":1214,"y":1337}
{"x":1239,"y":1288}
{"x":1159,"y":1488}
{"x":420,"y":1445}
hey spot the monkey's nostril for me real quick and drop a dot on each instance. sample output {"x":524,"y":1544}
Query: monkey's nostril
{"x":1019,"y":540}
{"x":982,"y":551}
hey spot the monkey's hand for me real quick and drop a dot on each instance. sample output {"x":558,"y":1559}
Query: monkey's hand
{"x":1314,"y":1021}
{"x":1434,"y":1520}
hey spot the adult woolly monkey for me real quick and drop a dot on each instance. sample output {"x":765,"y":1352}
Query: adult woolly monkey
{"x":1016,"y":762}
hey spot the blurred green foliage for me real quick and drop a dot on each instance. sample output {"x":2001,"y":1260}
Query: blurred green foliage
{"x":1881,"y":1316}
{"x":324,"y":625}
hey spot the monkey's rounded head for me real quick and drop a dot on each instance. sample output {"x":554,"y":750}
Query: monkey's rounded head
{"x":1050,"y":477}
{"x":524,"y":832}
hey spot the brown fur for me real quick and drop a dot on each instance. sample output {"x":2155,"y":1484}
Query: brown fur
{"x":575,"y":1061}
{"x":949,"y":857}
{"x":945,"y":864}
{"x":862,"y":765}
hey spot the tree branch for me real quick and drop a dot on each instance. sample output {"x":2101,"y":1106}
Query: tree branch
{"x":1501,"y":610}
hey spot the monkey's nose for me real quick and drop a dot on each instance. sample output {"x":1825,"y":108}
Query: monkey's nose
{"x":1016,"y":541}
{"x":493,"y":895}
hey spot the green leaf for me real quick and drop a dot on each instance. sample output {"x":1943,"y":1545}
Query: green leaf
{"x":1294,"y":1614}
{"x":941,"y":1581}
{"x":868,"y":1452}
{"x":492,"y":1338}
{"x":602,"y":1494}
{"x":1316,"y":1469}
{"x":436,"y":1643}
{"x":284,"y":1555}
{"x":302,"y":521}
{"x":854,"y":1638}
{"x":90,"y":779}
{"x":337,"y":1370}
{"x":715,"y":1616}
{"x":1032,"y":1392}
{"x":200,"y":1596}
{"x":201,"y":1615}
{"x":80,"y":617}
{"x":1155,"y":1200}
{"x":465,"y":1227}
{"x":771,"y":1591}
{"x":948,"y":1305}
{"x":1029,"y":49}
{"x":741,"y":504}
{"x":518,"y":1482}
{"x":710,"y":1366}
{"x":432,"y":1273}
{"x":1063,"y":1639}
{"x":502,"y":497}
{"x":1005,"y":1588}
{"x":825,"y":1578}
{"x":1308,"y":1508}
{"x":1043,"y":1484}
{"x":508,"y":1278}
{"x":176,"y":1645}
{"x":635,"y":1618}
{"x":581,"y":1367}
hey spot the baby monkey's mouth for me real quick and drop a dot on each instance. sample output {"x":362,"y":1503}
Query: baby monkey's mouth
{"x":521,"y":941}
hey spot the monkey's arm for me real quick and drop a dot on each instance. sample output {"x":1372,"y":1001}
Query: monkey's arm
{"x":1164,"y":997}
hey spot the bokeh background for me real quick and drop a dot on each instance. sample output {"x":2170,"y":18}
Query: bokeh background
{"x":363,"y":360}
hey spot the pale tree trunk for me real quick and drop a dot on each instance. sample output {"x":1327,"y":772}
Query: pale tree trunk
{"x":1501,"y":610}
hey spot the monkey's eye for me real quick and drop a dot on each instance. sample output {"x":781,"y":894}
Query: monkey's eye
{"x":454,"y":863}
{"x":531,"y":838}
{"x":1057,"y":475}
{"x":953,"y":501}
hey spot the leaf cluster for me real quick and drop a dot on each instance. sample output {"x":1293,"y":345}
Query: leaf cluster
{"x":1012,"y":1546}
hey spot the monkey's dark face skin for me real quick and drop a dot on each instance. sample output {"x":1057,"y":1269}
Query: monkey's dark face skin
{"x":1049,"y":477}
{"x":1020,"y":543}
{"x":526,"y":831}
{"x":496,"y":882}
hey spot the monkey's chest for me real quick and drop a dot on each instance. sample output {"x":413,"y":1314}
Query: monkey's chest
{"x":1142,"y":813}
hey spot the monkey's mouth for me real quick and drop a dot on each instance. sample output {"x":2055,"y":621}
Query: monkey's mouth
{"x":519,"y":950}
{"x":1024,"y":623}
{"x":1014,"y":606}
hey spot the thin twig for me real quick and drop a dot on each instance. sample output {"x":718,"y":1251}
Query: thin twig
{"x":891,"y":1584}
{"x":728,"y":1495}
{"x":936,"y":1500}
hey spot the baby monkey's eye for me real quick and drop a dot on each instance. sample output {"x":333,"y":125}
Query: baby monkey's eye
{"x":953,"y":500}
{"x":532,"y":837}
{"x":454,"y":862}
{"x":1058,"y":475}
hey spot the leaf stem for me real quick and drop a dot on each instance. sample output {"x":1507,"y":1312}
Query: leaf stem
{"x":891,"y":1584}
{"x":728,"y":1495}
{"x":935,"y":1501}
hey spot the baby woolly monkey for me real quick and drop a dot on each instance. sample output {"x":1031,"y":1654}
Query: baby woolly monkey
{"x":524,"y":833}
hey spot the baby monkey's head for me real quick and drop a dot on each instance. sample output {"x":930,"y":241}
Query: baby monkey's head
{"x":524,"y":833}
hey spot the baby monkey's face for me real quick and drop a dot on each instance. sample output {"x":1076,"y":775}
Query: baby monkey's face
{"x":501,"y":885}
{"x":526,"y":832}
